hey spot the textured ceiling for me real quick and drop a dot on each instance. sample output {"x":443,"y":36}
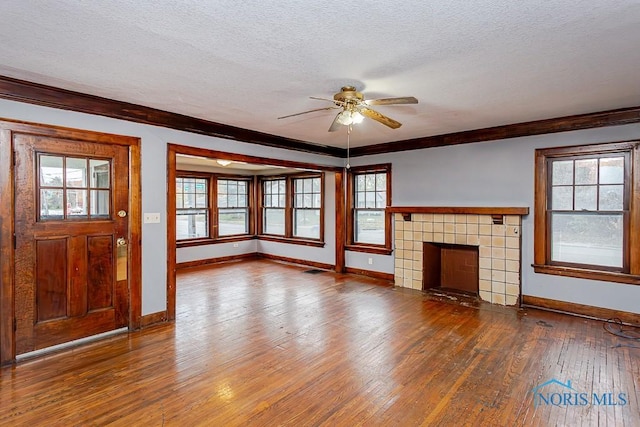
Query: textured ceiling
{"x":471,"y":64}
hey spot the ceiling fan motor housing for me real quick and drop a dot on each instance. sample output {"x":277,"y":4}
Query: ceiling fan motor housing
{"x":349,"y":95}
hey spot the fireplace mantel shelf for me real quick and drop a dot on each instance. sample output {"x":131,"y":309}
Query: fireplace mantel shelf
{"x":459,"y":210}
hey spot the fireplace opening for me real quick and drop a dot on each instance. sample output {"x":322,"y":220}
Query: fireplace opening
{"x":450,"y":267}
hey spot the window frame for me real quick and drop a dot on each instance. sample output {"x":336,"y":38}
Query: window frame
{"x":289,"y":209}
{"x":212,"y":194}
{"x":630,"y":271}
{"x":351,"y":243}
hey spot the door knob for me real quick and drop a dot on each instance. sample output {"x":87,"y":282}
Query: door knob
{"x":121,"y":242}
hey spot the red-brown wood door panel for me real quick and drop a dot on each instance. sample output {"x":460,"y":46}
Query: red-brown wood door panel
{"x":67,"y":282}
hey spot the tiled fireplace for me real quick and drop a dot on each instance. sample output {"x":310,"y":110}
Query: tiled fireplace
{"x":495,"y":231}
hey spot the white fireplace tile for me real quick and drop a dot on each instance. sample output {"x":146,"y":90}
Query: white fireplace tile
{"x":472,"y":229}
{"x":498,"y":276}
{"x":417,"y":226}
{"x":498,"y":299}
{"x":438,"y":218}
{"x":427,"y":236}
{"x":449,"y":218}
{"x":484,"y":230}
{"x":472,"y":219}
{"x":417,"y":235}
{"x":512,"y":242}
{"x":427,"y":217}
{"x":407,"y":234}
{"x":407,"y":264}
{"x":498,"y":230}
{"x":438,"y":227}
{"x":416,"y":284}
{"x":484,"y":274}
{"x":399,"y":224}
{"x":484,"y":285}
{"x":472,"y":239}
{"x":427,"y":227}
{"x":449,"y":238}
{"x":511,"y":289}
{"x":511,"y":265}
{"x":417,"y":255}
{"x":398,"y":273}
{"x":512,"y":219}
{"x":460,"y":219}
{"x":438,"y":237}
{"x":461,"y":228}
{"x":497,"y":253}
{"x":417,"y":245}
{"x":485,"y":296}
{"x":497,"y":264}
{"x":398,"y":264}
{"x":512,"y":277}
{"x":513,"y":231}
{"x":497,"y":241}
{"x":511,"y":299}
{"x":484,"y":262}
{"x":498,"y":287}
{"x":484,"y":251}
{"x":513,"y":254}
{"x":461,"y":239}
{"x":415,"y":218}
{"x":449,"y":227}
{"x":484,"y":240}
{"x":399,"y":244}
{"x":485,"y":219}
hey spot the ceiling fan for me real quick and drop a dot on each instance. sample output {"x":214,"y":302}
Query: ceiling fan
{"x":354,"y":108}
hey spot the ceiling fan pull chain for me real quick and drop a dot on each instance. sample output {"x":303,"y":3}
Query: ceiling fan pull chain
{"x":348,"y":143}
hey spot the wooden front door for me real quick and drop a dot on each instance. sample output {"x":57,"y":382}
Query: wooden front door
{"x":71,"y":247}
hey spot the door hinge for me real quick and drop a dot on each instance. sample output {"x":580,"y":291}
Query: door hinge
{"x":15,"y":324}
{"x":15,"y":244}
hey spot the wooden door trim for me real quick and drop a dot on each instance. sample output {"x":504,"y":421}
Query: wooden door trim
{"x":174,"y":149}
{"x":7,"y":260}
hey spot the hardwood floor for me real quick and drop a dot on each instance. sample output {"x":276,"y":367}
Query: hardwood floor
{"x":263,"y":344}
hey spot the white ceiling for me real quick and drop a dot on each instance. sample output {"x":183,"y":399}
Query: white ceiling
{"x":471,"y":63}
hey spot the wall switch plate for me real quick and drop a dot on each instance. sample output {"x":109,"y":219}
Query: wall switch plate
{"x":370,"y":261}
{"x":151,"y":218}
{"x":235,"y":245}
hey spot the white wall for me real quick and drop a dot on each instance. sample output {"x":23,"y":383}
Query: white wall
{"x":501,"y":173}
{"x":154,"y":180}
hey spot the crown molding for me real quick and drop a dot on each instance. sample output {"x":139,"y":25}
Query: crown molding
{"x":622,"y":116}
{"x":49,"y":96}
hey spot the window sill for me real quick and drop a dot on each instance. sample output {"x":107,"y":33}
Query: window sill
{"x":203,"y":242}
{"x":379,"y":250}
{"x":583,"y":273}
{"x":292,"y":240}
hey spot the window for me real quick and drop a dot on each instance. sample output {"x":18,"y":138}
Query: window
{"x":274,"y":205}
{"x":369,"y":193}
{"x":233,"y":207}
{"x":192,"y":208}
{"x":585,"y":219}
{"x":211,"y":207}
{"x":82,"y":185}
{"x":306,"y":207}
{"x":292,"y":208}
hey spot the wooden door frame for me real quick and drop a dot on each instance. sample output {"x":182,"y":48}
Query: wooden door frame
{"x":7,"y":212}
{"x":174,"y":149}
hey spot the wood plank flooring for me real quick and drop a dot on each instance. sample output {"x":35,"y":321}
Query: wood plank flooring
{"x":259,"y":343}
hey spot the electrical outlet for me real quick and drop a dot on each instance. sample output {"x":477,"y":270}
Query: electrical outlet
{"x":370,"y":261}
{"x":235,"y":245}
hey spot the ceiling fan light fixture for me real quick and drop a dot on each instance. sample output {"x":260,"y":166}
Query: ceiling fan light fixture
{"x":344,"y":118}
{"x":356,"y":117}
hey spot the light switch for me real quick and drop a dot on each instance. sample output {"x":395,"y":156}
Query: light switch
{"x":151,"y":218}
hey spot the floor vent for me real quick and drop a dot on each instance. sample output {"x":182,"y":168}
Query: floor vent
{"x":314,"y":271}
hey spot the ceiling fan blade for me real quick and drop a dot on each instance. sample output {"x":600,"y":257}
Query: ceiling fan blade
{"x":335,"y":125}
{"x":335,"y":101}
{"x":392,"y":101}
{"x":387,"y":121}
{"x":305,"y":112}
